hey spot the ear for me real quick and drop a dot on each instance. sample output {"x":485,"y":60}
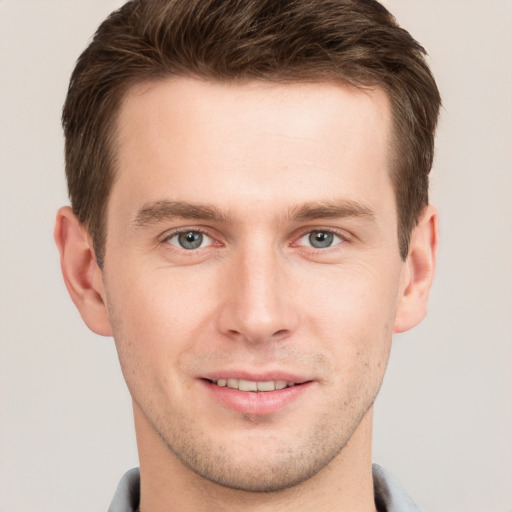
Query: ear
{"x":418,"y":272}
{"x":81,"y":272}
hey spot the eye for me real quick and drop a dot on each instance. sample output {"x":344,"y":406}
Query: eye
{"x":190,"y":240}
{"x":320,"y":239}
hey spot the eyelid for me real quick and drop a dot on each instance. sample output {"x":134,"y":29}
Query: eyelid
{"x":306,"y":230}
{"x":342,"y":234}
{"x":167,"y":235}
{"x":204,"y":240}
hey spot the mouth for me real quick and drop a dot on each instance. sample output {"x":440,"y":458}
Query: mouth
{"x":257,"y":396}
{"x":255,"y":386}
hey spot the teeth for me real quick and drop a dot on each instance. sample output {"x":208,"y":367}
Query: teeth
{"x":266,"y":386}
{"x":247,"y":385}
{"x":250,"y":385}
{"x":233,"y":383}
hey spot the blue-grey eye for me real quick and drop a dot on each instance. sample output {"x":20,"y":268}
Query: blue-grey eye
{"x":320,"y":239}
{"x":190,"y":240}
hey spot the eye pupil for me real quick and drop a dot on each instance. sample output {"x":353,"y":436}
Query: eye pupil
{"x":321,"y":239}
{"x":190,"y":239}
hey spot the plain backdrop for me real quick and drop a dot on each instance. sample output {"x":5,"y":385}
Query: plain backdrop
{"x":444,"y":416}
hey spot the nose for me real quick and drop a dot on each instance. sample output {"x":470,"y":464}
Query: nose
{"x":257,"y":297}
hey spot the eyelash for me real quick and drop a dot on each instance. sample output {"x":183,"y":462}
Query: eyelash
{"x":167,"y":238}
{"x":343,"y":236}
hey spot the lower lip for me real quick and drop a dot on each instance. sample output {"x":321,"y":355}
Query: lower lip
{"x":256,"y":403}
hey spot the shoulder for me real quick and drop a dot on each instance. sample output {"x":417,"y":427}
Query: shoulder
{"x":126,"y":498}
{"x":390,"y":496}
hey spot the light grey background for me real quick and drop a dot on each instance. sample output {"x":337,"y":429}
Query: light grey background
{"x":444,"y":416}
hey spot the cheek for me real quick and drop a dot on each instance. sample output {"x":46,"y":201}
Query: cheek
{"x":359,"y":298}
{"x":353,"y":315}
{"x":160,"y":318}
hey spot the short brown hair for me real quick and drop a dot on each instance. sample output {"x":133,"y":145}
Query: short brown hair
{"x":354,"y":41}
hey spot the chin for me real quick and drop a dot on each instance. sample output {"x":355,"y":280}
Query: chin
{"x":259,"y":462}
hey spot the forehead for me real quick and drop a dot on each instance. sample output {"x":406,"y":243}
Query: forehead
{"x":298,"y":108}
{"x":186,"y":139}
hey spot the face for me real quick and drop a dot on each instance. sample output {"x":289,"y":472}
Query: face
{"x":252,"y":272}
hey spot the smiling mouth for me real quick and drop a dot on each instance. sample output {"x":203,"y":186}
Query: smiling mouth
{"x":257,"y":397}
{"x":254,"y":386}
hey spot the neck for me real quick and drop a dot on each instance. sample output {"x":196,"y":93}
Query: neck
{"x":344,"y":485}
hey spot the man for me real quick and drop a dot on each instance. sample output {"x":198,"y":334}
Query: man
{"x":250,"y":222}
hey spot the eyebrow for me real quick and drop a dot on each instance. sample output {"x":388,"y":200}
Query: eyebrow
{"x":332,"y":209}
{"x":152,"y":213}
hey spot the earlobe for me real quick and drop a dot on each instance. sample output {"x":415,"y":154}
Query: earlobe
{"x":419,"y":272}
{"x":80,"y":270}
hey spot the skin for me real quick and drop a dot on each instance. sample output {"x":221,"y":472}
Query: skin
{"x":254,"y":169}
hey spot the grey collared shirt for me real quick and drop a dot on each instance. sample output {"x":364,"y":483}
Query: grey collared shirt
{"x":390,"y":496}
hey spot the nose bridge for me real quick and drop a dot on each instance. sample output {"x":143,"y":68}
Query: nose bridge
{"x":257,"y":304}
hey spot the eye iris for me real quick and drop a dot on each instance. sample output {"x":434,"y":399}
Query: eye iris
{"x":190,"y":239}
{"x":321,"y":239}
